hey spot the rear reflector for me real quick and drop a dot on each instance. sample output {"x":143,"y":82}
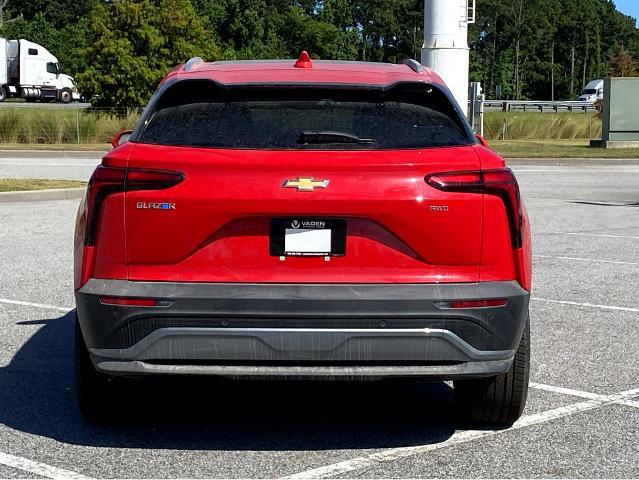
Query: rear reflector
{"x":484,"y":303}
{"x":130,"y":302}
{"x":501,"y":183}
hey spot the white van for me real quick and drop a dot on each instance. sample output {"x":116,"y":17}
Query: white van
{"x":593,"y":92}
{"x":29,"y":71}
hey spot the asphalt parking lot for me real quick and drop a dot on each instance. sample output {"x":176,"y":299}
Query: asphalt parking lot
{"x":582,"y":417}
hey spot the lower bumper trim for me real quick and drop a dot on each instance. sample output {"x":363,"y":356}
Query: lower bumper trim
{"x":432,"y":372}
{"x":319,"y":345}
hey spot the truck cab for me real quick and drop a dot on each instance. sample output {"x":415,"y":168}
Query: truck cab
{"x":30,"y":71}
{"x":592,"y":92}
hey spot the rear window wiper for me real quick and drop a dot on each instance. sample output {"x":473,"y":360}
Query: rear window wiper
{"x":320,"y":137}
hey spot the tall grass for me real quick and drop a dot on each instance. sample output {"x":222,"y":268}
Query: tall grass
{"x":67,"y":125}
{"x":541,"y":126}
{"x":64,"y":125}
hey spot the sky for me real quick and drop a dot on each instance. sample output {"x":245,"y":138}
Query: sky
{"x":629,"y":7}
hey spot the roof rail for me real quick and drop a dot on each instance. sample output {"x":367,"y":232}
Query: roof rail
{"x":414,"y":65}
{"x":191,"y":63}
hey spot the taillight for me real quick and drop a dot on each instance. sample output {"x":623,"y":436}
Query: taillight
{"x":492,"y":182}
{"x":108,"y":180}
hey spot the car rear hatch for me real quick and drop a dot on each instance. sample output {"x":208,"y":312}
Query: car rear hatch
{"x":306,"y":185}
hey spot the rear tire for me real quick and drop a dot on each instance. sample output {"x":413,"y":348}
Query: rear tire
{"x":3,"y":94}
{"x":498,"y":401}
{"x":94,"y":390}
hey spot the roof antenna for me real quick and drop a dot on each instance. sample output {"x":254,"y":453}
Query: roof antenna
{"x":304,"y":61}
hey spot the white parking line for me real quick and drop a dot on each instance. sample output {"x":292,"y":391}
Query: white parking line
{"x":566,"y":391}
{"x":37,"y":305}
{"x":603,"y":235}
{"x":629,"y":403}
{"x":580,"y":393}
{"x":38,"y":468}
{"x":593,"y":260}
{"x":588,"y":305}
{"x":374,"y":459}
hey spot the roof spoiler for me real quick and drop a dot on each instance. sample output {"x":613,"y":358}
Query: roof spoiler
{"x":188,"y":66}
{"x":414,"y":65}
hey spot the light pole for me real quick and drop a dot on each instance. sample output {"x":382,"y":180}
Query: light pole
{"x":445,"y":47}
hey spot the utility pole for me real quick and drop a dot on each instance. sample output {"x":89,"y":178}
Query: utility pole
{"x":445,"y":47}
{"x":552,"y":72}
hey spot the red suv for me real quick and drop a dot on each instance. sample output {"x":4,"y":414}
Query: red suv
{"x":305,"y":219}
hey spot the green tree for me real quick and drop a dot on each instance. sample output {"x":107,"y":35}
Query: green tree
{"x":58,"y":12}
{"x":301,"y":31}
{"x":132,"y":44}
{"x":532,"y":48}
{"x":37,"y":30}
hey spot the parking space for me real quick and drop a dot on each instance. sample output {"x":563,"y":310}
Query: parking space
{"x":582,"y":418}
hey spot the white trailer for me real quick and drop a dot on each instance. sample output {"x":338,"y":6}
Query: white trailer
{"x":29,"y":71}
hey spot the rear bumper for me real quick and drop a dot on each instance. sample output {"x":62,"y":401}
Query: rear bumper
{"x":286,"y":330}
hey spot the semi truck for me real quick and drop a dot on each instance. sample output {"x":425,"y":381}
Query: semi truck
{"x":594,"y":91}
{"x":30,"y":71}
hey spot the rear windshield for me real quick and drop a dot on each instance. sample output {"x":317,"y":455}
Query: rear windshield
{"x":303,"y":118}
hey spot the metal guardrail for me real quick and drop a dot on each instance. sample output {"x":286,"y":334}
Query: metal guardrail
{"x":540,"y":106}
{"x":503,"y":105}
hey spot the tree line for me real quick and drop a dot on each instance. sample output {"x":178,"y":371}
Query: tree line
{"x":542,"y":49}
{"x":118,"y":50}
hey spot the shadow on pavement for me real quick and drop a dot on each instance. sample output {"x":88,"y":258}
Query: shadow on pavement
{"x":37,"y":396}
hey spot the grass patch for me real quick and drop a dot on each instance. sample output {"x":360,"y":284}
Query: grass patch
{"x":62,"y":126}
{"x":541,"y":126}
{"x":557,"y":149}
{"x":19,"y":184}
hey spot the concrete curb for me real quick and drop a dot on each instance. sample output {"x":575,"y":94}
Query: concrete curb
{"x":42,"y":195}
{"x":572,"y":162}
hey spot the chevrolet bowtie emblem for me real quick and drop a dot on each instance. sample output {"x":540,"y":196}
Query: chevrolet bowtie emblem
{"x":305,"y":184}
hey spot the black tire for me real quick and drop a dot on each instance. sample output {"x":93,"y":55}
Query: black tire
{"x":66,"y":96}
{"x":498,"y":401}
{"x":3,"y":94}
{"x":95,"y":391}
